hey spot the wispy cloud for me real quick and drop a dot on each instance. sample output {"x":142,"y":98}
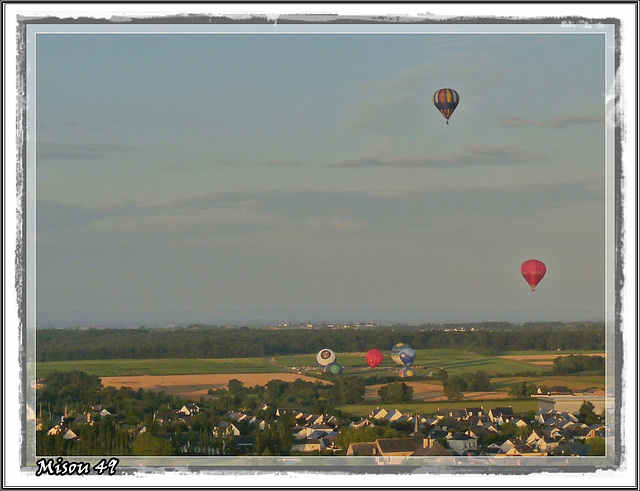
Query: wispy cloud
{"x":70,"y":151}
{"x":283,"y":163}
{"x":472,"y":155}
{"x":563,"y":122}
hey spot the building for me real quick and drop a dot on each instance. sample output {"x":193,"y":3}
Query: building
{"x":571,"y":403}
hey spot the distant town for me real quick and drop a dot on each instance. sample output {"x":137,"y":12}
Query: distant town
{"x":479,"y":389}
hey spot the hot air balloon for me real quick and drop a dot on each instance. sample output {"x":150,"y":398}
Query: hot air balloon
{"x":395,"y":352}
{"x":325,"y":356}
{"x":333,"y":368}
{"x":407,"y":356}
{"x":374,"y":357}
{"x":407,"y":372}
{"x":533,"y":271}
{"x":446,"y":100}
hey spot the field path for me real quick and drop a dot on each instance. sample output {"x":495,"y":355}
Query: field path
{"x":198,"y":385}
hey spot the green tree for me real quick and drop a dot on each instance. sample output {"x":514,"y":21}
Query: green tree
{"x":147,"y":444}
{"x":396,"y":392}
{"x":596,"y":445}
{"x":454,"y":387}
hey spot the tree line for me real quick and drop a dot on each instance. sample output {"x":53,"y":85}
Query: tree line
{"x":204,"y":342}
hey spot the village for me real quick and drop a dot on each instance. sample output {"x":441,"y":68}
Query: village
{"x":566,"y":423}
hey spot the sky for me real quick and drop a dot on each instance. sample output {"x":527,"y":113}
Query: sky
{"x":220,"y":177}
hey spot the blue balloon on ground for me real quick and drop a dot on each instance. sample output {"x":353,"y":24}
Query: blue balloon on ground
{"x":407,"y":356}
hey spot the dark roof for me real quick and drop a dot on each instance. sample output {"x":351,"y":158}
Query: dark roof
{"x":363,"y":448}
{"x":461,"y":436}
{"x":505,"y":411}
{"x":388,"y":445}
{"x":437,"y":449}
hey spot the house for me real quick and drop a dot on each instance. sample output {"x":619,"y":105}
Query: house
{"x":70,"y":435}
{"x":510,"y":443}
{"x":308,"y":445}
{"x":227,"y":428}
{"x":547,"y":444}
{"x":360,"y":424}
{"x":455,"y":414}
{"x":164,"y":416}
{"x":394,"y":415}
{"x":461,"y":443}
{"x":83,"y":419}
{"x":189,"y":409}
{"x":378,"y":413}
{"x":396,"y":447}
{"x":363,"y":449}
{"x":260,"y":407}
{"x":571,"y":402}
{"x":519,"y":423}
{"x":521,"y":450}
{"x":500,"y":415}
{"x":474,"y":411}
{"x":432,"y":448}
{"x":554,"y":390}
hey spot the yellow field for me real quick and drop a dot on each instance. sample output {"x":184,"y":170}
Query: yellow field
{"x":195,"y":386}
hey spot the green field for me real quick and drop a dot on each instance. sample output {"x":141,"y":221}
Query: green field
{"x":430,"y":408}
{"x":574,"y":382}
{"x":427,"y":361}
{"x":455,"y":362}
{"x":183,"y":366}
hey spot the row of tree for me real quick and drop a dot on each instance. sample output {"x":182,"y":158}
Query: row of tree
{"x":90,"y":344}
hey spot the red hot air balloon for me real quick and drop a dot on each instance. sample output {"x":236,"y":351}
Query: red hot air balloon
{"x":533,"y":271}
{"x":446,"y":100}
{"x":374,"y":357}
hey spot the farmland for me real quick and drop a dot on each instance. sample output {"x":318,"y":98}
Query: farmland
{"x":454,"y":362}
{"x":192,"y":378}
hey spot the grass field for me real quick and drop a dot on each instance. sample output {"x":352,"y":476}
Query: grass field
{"x":430,"y":408}
{"x":455,"y":362}
{"x":574,"y":382}
{"x":183,"y":366}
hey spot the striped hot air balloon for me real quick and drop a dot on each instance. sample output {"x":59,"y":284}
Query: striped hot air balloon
{"x":533,"y":271}
{"x":446,"y":100}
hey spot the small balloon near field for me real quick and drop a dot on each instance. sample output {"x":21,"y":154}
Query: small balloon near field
{"x":333,"y":368}
{"x":374,"y":357}
{"x":407,"y":356}
{"x":395,"y":352}
{"x":325,"y":356}
{"x":407,"y":372}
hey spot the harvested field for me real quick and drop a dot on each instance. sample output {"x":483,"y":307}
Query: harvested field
{"x":531,"y":358}
{"x":422,"y":391}
{"x":195,"y":386}
{"x":541,"y":360}
{"x":429,"y":392}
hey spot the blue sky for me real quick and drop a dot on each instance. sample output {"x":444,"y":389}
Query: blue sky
{"x":210,"y":172}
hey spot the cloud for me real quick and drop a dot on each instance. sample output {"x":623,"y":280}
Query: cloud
{"x":68,"y":151}
{"x":283,"y":163}
{"x":472,"y":155}
{"x":564,"y":122}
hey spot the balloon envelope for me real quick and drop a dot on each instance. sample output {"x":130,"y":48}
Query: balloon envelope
{"x":533,"y":271}
{"x":407,"y":372}
{"x":395,"y":352}
{"x":446,"y":100}
{"x":333,"y":368}
{"x":407,"y":356}
{"x":325,"y":356}
{"x":374,"y":357}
